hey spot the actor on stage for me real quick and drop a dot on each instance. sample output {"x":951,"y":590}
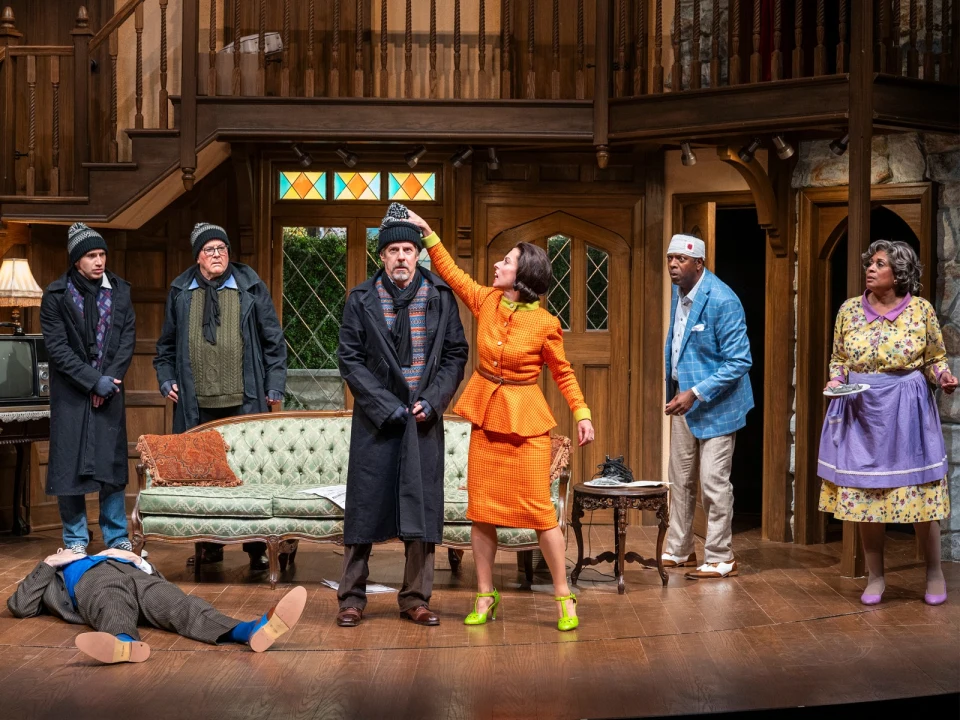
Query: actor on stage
{"x":402,"y":353}
{"x":88,"y":327}
{"x":508,"y":473}
{"x":707,"y":358}
{"x":113,"y":590}
{"x":882,"y":455}
{"x":221,"y":351}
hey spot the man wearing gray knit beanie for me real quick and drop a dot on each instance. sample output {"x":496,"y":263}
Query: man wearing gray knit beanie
{"x":221,"y":351}
{"x":88,"y":328}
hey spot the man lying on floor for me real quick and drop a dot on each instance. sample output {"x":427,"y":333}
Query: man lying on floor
{"x":114,"y":590}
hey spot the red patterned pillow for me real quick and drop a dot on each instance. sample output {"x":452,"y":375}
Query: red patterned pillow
{"x":196,"y":459}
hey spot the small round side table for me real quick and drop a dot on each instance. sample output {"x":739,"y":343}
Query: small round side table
{"x":620,"y":499}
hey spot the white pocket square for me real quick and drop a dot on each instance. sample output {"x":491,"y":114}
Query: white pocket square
{"x":698,"y":328}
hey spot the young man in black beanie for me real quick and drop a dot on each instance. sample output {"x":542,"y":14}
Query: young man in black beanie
{"x":402,"y":352}
{"x":221,"y":351}
{"x":88,"y":326}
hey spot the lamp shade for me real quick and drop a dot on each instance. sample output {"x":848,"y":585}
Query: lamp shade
{"x":17,"y":286}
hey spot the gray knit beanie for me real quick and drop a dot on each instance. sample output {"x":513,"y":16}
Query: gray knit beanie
{"x":81,"y":240}
{"x":395,"y":228}
{"x":204,"y":233}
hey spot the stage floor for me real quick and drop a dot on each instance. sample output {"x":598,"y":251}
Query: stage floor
{"x":787,"y":632}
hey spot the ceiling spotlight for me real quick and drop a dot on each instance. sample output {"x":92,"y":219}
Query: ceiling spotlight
{"x":493,"y":162}
{"x":349,"y":159}
{"x":303,"y":157}
{"x":687,"y":156}
{"x":461,"y":156}
{"x":413,"y":157}
{"x":784,"y":149}
{"x":839,"y":147}
{"x":747,"y":151}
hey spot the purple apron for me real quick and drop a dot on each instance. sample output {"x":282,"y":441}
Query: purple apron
{"x":886,"y":437}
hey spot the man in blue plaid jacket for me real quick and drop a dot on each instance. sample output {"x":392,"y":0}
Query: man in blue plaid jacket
{"x":707,"y":359}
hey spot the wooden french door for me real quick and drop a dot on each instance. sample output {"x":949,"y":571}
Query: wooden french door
{"x":590,"y":295}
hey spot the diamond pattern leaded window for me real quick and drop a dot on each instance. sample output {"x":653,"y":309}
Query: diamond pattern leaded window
{"x":598,"y":282}
{"x":412,"y":186}
{"x":314,"y":293}
{"x":356,"y":186}
{"x":303,"y":185}
{"x":558,"y":297}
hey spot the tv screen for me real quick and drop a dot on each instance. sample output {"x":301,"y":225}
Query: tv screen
{"x":16,"y":369}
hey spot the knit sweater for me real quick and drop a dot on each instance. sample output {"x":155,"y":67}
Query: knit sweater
{"x":217,"y":369}
{"x":418,"y":328}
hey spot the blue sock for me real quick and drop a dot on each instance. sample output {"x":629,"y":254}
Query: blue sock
{"x":245,"y":630}
{"x":125,"y":637}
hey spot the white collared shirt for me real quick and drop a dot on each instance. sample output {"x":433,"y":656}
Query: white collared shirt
{"x":684,"y":304}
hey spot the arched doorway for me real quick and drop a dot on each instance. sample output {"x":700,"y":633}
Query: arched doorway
{"x":590,"y":295}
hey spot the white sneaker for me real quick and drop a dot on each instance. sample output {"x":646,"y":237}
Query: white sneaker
{"x":711,"y":571}
{"x":672,"y":561}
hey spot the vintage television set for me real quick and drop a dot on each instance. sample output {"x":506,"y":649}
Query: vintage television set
{"x":24,"y":370}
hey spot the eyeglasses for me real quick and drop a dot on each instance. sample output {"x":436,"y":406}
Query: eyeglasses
{"x":215,"y":250}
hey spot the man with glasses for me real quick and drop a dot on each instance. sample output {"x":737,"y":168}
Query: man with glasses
{"x":221,"y":352}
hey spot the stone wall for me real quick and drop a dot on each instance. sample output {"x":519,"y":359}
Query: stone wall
{"x":906,"y":158}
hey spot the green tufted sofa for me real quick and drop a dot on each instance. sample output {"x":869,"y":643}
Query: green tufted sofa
{"x":278,"y":454}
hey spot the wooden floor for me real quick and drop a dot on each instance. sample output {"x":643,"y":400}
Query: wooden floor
{"x":787,"y":632}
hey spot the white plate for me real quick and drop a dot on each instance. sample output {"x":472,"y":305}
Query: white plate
{"x":844,"y":390}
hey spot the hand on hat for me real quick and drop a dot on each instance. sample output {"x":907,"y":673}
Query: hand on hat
{"x":412,"y":217}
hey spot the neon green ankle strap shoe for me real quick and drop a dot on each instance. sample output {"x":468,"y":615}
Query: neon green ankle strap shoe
{"x":478,"y":618}
{"x":567,"y":622}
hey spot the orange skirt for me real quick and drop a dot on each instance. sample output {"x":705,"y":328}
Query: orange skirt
{"x":508,"y":480}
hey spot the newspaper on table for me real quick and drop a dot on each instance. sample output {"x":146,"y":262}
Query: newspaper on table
{"x":607,"y":482}
{"x":372,"y":588}
{"x":337,"y":494}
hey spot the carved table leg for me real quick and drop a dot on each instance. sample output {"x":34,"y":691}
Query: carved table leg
{"x":663,"y":516}
{"x":621,"y":533}
{"x":576,"y":517}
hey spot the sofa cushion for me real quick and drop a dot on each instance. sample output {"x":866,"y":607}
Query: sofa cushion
{"x":249,"y":501}
{"x":459,"y":534}
{"x":172,"y":526}
{"x":291,"y":503}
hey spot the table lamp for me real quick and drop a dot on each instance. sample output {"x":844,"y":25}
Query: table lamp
{"x":18,"y":289}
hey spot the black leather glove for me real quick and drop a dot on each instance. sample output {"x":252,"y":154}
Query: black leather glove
{"x":105,"y":387}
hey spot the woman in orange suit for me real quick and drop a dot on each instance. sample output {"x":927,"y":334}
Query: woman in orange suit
{"x":508,"y":472}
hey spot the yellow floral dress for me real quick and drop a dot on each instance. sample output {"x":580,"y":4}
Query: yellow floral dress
{"x":907,"y":337}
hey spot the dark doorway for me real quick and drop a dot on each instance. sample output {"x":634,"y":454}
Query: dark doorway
{"x":741,"y":251}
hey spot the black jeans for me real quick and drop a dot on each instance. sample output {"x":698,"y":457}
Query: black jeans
{"x":417,"y":575}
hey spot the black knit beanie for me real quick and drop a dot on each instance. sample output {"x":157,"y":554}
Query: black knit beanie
{"x":396,"y":228}
{"x":81,"y":240}
{"x":204,"y":233}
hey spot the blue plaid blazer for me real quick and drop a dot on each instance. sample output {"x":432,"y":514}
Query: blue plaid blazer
{"x":714,"y":357}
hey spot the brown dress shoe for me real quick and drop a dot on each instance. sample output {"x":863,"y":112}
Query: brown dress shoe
{"x":421,"y":616}
{"x":349,"y":617}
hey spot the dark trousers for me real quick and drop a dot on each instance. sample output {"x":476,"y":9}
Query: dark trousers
{"x":417,"y":575}
{"x":255,"y":550}
{"x":116,"y":597}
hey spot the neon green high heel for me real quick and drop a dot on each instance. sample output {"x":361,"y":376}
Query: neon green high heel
{"x":478,"y":618}
{"x":566,"y":622}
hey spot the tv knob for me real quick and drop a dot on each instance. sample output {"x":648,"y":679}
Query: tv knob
{"x":44,"y":389}
{"x":44,"y":375}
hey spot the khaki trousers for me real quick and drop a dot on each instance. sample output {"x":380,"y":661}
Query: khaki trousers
{"x":713,"y":459}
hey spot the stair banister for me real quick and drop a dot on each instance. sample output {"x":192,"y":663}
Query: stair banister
{"x":188,"y":91}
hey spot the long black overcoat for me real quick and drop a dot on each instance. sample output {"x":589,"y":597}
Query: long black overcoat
{"x":264,"y":348}
{"x":88,"y":446}
{"x":395,"y":475}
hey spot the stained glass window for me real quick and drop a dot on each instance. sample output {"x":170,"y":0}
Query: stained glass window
{"x":598,"y":280}
{"x":356,"y":186}
{"x":413,"y":186}
{"x":558,"y":296}
{"x":303,"y":185}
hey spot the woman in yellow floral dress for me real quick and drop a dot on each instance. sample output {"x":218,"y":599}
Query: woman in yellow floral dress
{"x":882,"y":455}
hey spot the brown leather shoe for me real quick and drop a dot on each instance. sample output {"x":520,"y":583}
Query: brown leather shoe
{"x":349,"y":617}
{"x":421,"y":616}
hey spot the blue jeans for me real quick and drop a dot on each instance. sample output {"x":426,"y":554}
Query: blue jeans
{"x":113,"y":517}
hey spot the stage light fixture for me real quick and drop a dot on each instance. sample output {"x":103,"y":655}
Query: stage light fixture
{"x":493,"y":162}
{"x":687,"y":156}
{"x":747,"y":152}
{"x":303,"y":157}
{"x":839,"y":146}
{"x":349,"y":159}
{"x":461,"y":156}
{"x":413,"y":157}
{"x":785,"y":150}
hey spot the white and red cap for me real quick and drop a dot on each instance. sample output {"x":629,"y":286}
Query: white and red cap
{"x":687,"y":245}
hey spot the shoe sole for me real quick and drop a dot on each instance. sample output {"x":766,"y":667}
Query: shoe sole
{"x":711,"y":576}
{"x":280,"y":620}
{"x":108,"y":649}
